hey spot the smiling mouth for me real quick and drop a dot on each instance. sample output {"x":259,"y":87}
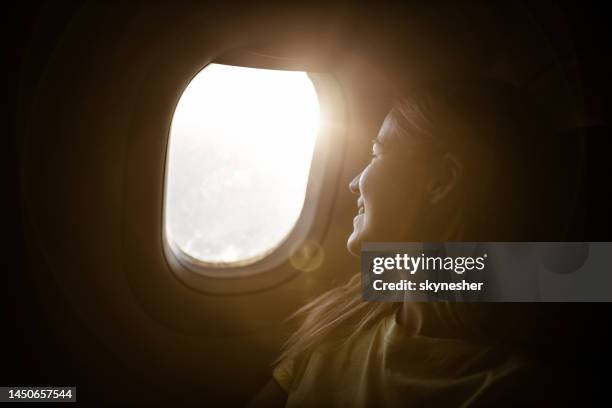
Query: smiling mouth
{"x":360,"y":211}
{"x":360,"y":207}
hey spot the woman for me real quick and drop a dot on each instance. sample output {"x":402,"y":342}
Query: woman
{"x":469,"y":162}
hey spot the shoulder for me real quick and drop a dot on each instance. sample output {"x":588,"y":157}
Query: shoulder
{"x":337,"y":349}
{"x":288,"y":371}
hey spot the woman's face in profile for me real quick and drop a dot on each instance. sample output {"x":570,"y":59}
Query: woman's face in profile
{"x":390,"y":190}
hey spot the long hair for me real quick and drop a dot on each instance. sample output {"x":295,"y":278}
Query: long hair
{"x":509,"y":152}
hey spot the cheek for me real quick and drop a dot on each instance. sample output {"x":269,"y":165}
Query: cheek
{"x":393,"y":203}
{"x":380,"y":199}
{"x":384,"y":187}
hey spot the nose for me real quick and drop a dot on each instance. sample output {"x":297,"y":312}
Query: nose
{"x":354,"y":184}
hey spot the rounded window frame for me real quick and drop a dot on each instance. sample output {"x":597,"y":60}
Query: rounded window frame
{"x":270,"y":270}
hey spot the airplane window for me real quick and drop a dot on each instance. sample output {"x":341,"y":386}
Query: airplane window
{"x":239,"y":156}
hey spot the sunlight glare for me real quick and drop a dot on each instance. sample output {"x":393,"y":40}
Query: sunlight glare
{"x":241,"y":146}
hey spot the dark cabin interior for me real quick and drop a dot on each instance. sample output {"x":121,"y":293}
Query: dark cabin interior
{"x":90,"y":300}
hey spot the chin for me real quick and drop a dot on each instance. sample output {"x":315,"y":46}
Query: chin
{"x":353,"y":244}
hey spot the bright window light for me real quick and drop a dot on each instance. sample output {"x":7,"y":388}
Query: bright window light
{"x":241,"y":146}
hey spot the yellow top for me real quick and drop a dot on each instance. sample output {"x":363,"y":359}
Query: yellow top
{"x":385,"y":366}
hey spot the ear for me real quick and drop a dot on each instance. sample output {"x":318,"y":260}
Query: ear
{"x":445,"y":178}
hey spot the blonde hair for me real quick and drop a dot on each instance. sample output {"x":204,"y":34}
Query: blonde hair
{"x":340,"y":306}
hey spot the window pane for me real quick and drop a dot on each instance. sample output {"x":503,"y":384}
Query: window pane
{"x":240,"y":150}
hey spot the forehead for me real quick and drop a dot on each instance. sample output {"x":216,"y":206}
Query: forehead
{"x":401,"y":140}
{"x":386,"y":131}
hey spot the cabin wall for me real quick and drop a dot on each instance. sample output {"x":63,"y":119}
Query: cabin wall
{"x":96,"y":77}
